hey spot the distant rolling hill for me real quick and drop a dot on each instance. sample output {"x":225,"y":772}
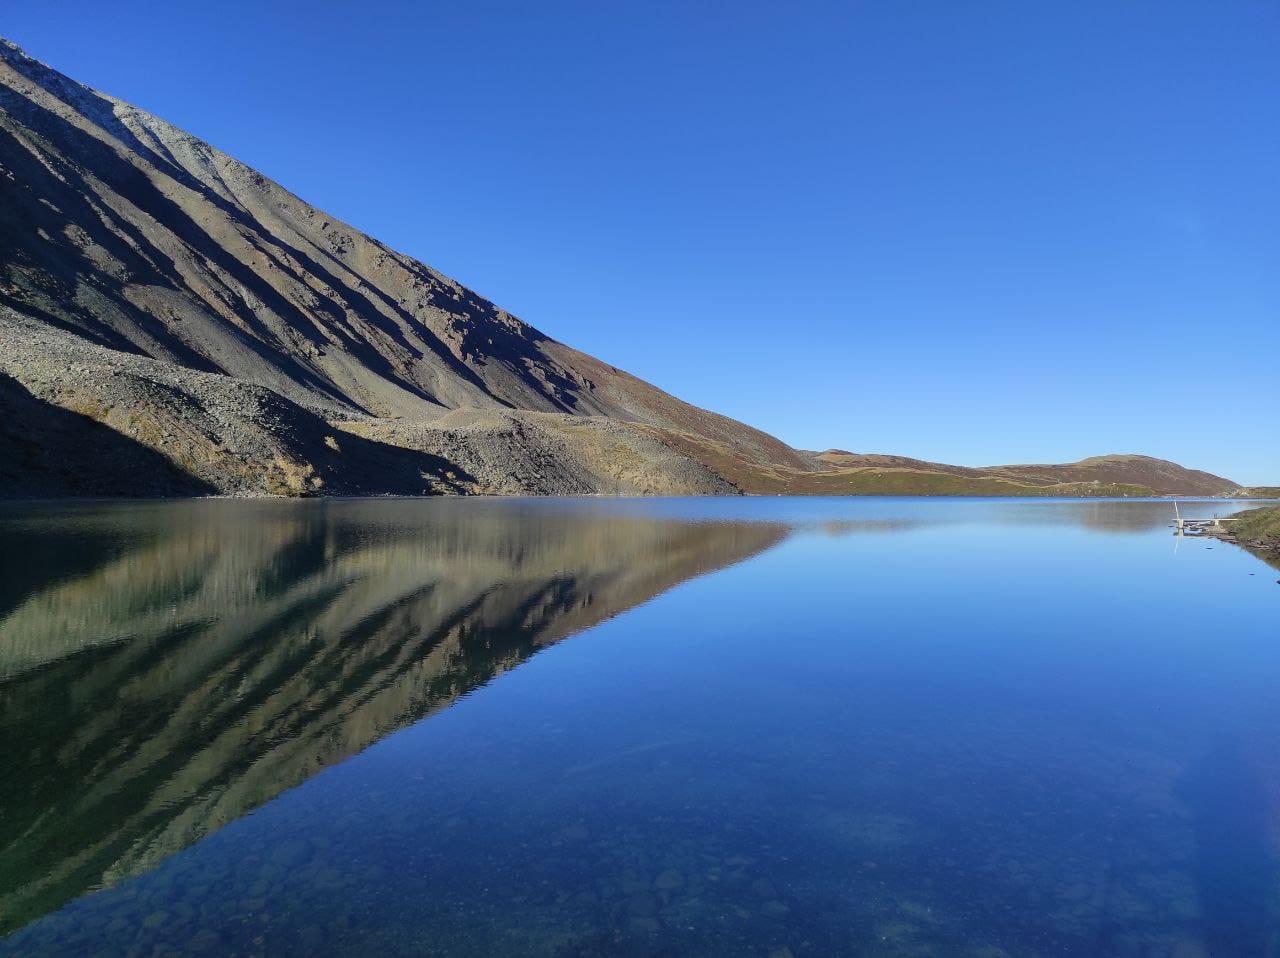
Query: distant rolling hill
{"x":173,"y":322}
{"x":837,"y":472}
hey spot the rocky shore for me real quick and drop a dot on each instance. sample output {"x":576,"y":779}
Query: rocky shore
{"x":1257,"y":530}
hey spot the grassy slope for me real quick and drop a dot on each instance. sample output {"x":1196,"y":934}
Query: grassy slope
{"x":1258,"y":524}
{"x":1258,"y":530}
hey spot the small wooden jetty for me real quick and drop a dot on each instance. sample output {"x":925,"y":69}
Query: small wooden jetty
{"x":1198,"y":527}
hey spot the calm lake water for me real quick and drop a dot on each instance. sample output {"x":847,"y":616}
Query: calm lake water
{"x":788,"y":727}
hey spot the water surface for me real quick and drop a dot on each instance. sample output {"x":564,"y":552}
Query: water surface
{"x":635,"y":727}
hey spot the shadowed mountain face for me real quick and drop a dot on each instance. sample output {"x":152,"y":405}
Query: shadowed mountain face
{"x":196,"y":660}
{"x":152,"y":285}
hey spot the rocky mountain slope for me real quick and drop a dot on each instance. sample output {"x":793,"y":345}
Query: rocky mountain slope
{"x":173,"y":322}
{"x":82,"y":419}
{"x":138,"y":237}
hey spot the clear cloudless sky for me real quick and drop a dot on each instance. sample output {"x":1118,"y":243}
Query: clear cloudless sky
{"x":979,"y":232}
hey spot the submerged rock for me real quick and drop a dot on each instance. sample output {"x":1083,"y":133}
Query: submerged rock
{"x":669,"y":880}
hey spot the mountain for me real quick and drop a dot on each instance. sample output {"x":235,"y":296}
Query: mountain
{"x":124,"y":232}
{"x":173,"y":322}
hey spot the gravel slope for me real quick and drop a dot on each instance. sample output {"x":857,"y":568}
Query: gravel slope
{"x":177,"y":431}
{"x":128,"y":231}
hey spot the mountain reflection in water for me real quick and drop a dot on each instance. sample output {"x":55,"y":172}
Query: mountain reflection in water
{"x":907,"y":727}
{"x":167,"y":668}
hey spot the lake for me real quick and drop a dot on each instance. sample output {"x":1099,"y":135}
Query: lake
{"x":774,"y":727}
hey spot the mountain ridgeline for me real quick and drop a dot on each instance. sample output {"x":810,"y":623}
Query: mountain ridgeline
{"x":174,"y":323}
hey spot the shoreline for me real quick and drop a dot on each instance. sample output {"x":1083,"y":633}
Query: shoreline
{"x":1255,"y":530}
{"x":1197,"y":524}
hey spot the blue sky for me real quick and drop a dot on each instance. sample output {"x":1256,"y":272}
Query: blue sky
{"x":974,"y":232}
